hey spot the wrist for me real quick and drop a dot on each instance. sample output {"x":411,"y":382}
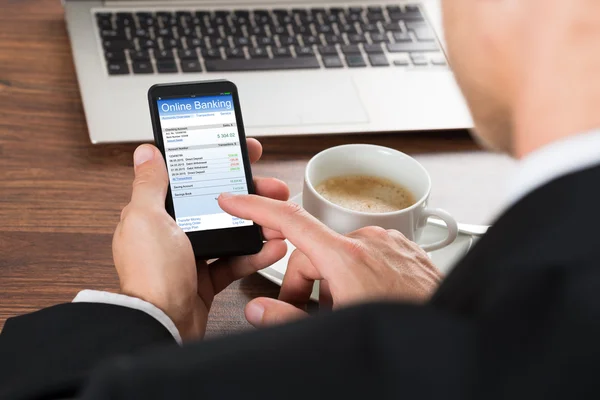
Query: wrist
{"x":186,"y":314}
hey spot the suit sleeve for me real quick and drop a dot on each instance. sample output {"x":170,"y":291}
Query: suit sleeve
{"x":371,"y":352}
{"x":55,"y":348}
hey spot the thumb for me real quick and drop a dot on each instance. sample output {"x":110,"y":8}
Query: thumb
{"x":151,"y":179}
{"x":264,"y":312}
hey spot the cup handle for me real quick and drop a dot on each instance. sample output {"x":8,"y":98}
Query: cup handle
{"x":450,"y":224}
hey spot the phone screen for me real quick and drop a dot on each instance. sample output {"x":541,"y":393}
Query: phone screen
{"x":204,"y":159}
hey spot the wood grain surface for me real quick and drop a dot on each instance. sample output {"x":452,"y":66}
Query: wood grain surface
{"x":60,"y":196}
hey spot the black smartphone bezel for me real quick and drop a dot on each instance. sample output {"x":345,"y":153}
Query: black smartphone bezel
{"x":215,"y":243}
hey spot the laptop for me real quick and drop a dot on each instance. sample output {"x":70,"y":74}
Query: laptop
{"x":301,"y":67}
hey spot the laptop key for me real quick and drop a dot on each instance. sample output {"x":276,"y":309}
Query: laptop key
{"x":281,"y":52}
{"x":378,"y":60}
{"x":287,"y":40}
{"x":412,"y":47}
{"x":416,"y":25}
{"x":379,"y":37}
{"x":258,"y":52}
{"x":209,"y":31}
{"x":412,"y":14}
{"x":304,"y":51}
{"x":373,"y":49}
{"x":171,"y":43}
{"x":141,"y":33}
{"x":333,"y":39}
{"x":141,"y":55}
{"x":211,"y":54}
{"x":117,"y":68}
{"x":241,"y":14}
{"x":353,"y":17}
{"x":187,"y":54}
{"x":401,"y":63}
{"x":113,"y":34}
{"x":185,"y":32}
{"x":301,"y":30}
{"x":357,"y":38}
{"x":279,"y":30}
{"x":196,"y":43}
{"x":262,"y":64}
{"x":325,"y":29}
{"x":164,"y":15}
{"x":424,"y":35}
{"x":105,"y":24}
{"x":374,"y":28}
{"x":147,"y":22}
{"x":164,"y":33}
{"x":257,"y":31}
{"x":148,"y":44}
{"x":241,"y":41}
{"x":328,"y":50}
{"x":191,"y":66}
{"x":142,"y":67}
{"x":115,"y":55}
{"x":351,"y":49}
{"x":392,"y":27}
{"x":218,"y":42}
{"x":332,"y":62}
{"x":347,"y":28}
{"x":375,"y":17}
{"x":402,"y":37}
{"x":163,"y":55}
{"x":264,"y":41}
{"x":310,"y":40}
{"x":419,"y":59}
{"x":235,"y":53}
{"x":355,"y":61}
{"x":109,"y":44}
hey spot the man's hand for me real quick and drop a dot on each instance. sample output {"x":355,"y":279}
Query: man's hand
{"x":154,"y":257}
{"x":367,"y":265}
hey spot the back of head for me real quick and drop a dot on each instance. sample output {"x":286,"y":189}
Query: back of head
{"x":528,"y":69}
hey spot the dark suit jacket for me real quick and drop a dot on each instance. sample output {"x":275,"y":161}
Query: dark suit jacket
{"x":518,"y":318}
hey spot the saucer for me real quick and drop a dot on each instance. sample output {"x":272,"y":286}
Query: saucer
{"x":444,"y":259}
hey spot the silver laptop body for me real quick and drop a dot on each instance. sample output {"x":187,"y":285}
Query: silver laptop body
{"x":330,"y":78}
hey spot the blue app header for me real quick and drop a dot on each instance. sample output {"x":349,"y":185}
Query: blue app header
{"x":194,"y":105}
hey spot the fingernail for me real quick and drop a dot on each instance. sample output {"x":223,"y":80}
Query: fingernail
{"x":143,"y":154}
{"x":254,"y":313}
{"x":226,"y":195}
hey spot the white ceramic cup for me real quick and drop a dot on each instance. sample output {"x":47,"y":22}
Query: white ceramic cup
{"x":377,"y":161}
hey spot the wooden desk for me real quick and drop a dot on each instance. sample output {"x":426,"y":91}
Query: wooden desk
{"x":60,"y":197}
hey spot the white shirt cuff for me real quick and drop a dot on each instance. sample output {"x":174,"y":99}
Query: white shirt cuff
{"x":95,"y":296}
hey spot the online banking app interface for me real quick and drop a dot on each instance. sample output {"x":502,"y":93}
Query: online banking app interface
{"x":204,"y":159}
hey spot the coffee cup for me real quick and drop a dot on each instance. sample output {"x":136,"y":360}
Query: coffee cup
{"x":379,"y":162}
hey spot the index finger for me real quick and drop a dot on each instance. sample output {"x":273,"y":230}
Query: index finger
{"x":303,"y":230}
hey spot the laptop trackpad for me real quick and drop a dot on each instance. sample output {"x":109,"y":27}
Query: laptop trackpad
{"x":297,"y":100}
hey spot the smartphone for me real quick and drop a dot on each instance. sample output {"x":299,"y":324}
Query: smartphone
{"x":199,"y":130}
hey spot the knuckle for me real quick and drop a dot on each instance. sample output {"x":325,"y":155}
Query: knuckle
{"x":125,"y":211}
{"x":295,"y":257}
{"x":397,"y":235}
{"x":373,"y":231}
{"x":355,"y":248}
{"x":149,"y":175}
{"x":293,"y":210}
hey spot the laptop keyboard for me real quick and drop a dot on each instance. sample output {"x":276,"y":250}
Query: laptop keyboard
{"x":162,"y":42}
